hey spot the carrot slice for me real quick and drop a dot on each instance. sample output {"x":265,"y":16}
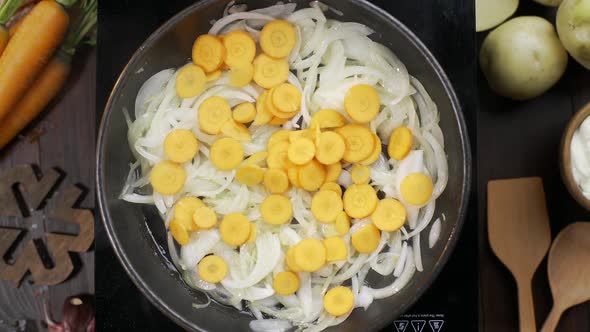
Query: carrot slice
{"x":249,"y":175}
{"x":400,"y":143}
{"x":240,"y":47}
{"x":362,"y":103}
{"x":278,"y":38}
{"x":360,"y":200}
{"x":167,"y":178}
{"x":389,"y":215}
{"x":213,"y":75}
{"x":342,"y":223}
{"x":328,"y":118}
{"x":304,"y":133}
{"x":226,"y":154}
{"x":336,"y":249}
{"x":287,"y":98}
{"x":278,"y":136}
{"x":359,"y":142}
{"x":375,"y":154}
{"x":234,"y":229}
{"x":204,"y":217}
{"x":263,"y":115}
{"x":360,"y":174}
{"x":269,"y":72}
{"x":277,"y":121}
{"x":325,"y":206}
{"x":179,"y":232}
{"x":208,"y":53}
{"x":301,"y":151}
{"x":214,"y":112}
{"x":312,"y":175}
{"x":290,"y":260}
{"x":338,"y":301}
{"x":244,"y":112}
{"x":276,"y":210}
{"x":310,"y":255}
{"x":273,"y":109}
{"x":277,"y":156}
{"x":332,"y":186}
{"x":330,"y":148}
{"x":257,"y":158}
{"x":190,"y":81}
{"x":184,"y":210}
{"x":366,"y":239}
{"x":181,"y":145}
{"x":416,"y":189}
{"x":286,"y":283}
{"x":276,"y":181}
{"x":236,"y":131}
{"x":293,"y":175}
{"x":333,"y":172}
{"x":212,"y":269}
{"x":241,"y":75}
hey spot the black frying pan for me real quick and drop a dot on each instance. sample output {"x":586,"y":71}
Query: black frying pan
{"x":137,"y":233}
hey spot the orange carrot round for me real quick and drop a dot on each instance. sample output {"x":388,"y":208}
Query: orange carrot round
{"x":29,"y":50}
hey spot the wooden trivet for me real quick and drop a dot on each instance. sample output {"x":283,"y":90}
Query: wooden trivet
{"x":34,"y":210}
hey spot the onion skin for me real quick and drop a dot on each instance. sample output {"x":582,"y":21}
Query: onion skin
{"x":573,"y":28}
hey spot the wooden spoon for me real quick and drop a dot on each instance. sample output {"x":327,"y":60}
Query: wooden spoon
{"x":519,"y":234}
{"x":569,"y":271}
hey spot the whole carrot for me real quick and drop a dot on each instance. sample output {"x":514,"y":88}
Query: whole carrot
{"x":7,"y":9}
{"x":50,"y":81}
{"x":3,"y":38}
{"x":18,"y":17}
{"x":29,"y":50}
{"x":46,"y":86}
{"x":12,"y":28}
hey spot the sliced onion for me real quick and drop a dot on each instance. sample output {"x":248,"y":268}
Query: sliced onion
{"x":384,"y":263}
{"x":401,"y":260}
{"x":399,"y":283}
{"x":201,"y":243}
{"x":221,"y":23}
{"x":268,"y":249}
{"x":270,"y":325}
{"x":417,"y":255}
{"x":434,"y":233}
{"x":150,"y":88}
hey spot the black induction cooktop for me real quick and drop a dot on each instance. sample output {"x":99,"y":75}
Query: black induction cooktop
{"x":445,"y":26}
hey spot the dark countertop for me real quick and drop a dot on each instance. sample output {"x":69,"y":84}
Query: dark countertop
{"x":521,"y":139}
{"x":444,"y":26}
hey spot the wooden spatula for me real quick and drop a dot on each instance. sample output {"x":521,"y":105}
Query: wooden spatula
{"x":569,"y":271}
{"x":519,"y":234}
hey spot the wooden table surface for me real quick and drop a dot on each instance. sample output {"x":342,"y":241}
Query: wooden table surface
{"x":521,"y":139}
{"x":67,"y":142}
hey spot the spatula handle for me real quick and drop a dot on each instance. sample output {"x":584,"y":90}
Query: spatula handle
{"x":552,"y":320}
{"x":526,"y":310}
